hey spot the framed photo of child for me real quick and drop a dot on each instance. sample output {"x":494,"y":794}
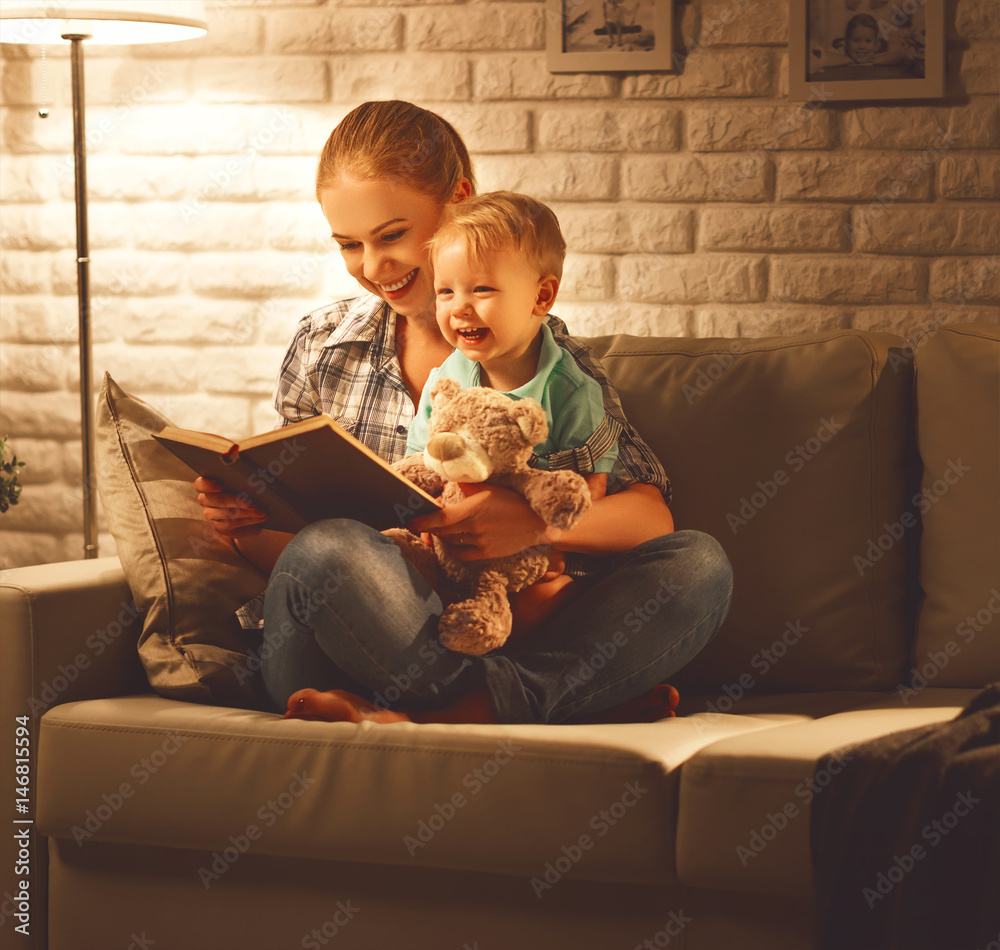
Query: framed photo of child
{"x":866,"y":49}
{"x":591,"y":36}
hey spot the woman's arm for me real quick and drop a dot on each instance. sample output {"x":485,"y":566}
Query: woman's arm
{"x":261,"y":546}
{"x":235,"y":517}
{"x":618,"y":523}
{"x":493,"y":522}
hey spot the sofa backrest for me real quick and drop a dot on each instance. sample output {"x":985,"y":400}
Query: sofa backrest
{"x":958,"y":433}
{"x":796,"y":453}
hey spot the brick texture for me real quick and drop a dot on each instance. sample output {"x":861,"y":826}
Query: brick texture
{"x":700,"y":201}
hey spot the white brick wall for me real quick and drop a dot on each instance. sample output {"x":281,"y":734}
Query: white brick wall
{"x":700,"y":203}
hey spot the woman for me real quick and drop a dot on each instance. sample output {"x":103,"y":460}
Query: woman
{"x":357,"y":626}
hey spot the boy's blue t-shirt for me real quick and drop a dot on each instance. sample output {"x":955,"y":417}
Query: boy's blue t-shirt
{"x":572,"y":400}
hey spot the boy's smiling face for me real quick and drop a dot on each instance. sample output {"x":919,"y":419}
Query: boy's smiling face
{"x":492,"y":308}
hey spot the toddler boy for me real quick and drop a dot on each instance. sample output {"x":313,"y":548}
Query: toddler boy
{"x":497,"y":261}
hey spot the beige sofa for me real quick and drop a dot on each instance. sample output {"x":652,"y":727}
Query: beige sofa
{"x":852,"y":479}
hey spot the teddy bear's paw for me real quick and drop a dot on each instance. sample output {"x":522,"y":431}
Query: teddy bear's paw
{"x":418,"y":555}
{"x":467,"y":627}
{"x":560,"y":498}
{"x":414,"y":468}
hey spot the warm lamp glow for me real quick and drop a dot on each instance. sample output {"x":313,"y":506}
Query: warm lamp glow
{"x":104,"y":22}
{"x":101,"y":22}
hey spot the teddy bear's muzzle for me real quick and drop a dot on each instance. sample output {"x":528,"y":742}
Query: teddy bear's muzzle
{"x":457,"y":458}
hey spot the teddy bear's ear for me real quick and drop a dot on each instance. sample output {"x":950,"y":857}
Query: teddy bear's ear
{"x":530,"y":419}
{"x":443,"y":391}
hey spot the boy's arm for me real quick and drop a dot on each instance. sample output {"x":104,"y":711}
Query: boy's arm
{"x":583,"y":436}
{"x":636,"y":461}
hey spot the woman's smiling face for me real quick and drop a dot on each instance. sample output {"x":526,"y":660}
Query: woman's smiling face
{"x":382,"y":229}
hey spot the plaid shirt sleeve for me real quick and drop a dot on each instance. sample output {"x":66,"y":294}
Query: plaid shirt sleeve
{"x":636,"y":461}
{"x":297,"y":393}
{"x":292,"y":398}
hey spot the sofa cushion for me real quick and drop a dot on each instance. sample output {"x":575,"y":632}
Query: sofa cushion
{"x":793,"y":453}
{"x":594,"y":802}
{"x":958,"y":433}
{"x":187,"y":580}
{"x":745,"y":801}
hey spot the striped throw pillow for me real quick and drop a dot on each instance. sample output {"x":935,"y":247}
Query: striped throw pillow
{"x":185,"y":578}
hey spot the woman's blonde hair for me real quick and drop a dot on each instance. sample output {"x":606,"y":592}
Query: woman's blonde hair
{"x":502,"y":221}
{"x":400,"y":142}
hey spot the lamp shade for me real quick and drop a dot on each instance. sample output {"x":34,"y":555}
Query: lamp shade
{"x":105,"y":22}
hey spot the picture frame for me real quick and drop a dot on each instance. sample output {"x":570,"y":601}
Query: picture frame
{"x":602,"y":36}
{"x":865,"y":49}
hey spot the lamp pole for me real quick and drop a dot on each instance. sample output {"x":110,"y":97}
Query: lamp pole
{"x":105,"y":22}
{"x":83,"y":296}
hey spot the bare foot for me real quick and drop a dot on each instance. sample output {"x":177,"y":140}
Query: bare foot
{"x":336,"y":705}
{"x":659,"y":703}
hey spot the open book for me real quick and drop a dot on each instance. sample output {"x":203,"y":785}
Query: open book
{"x":303,"y":472}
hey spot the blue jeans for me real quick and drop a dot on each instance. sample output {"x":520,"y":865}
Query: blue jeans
{"x":344,"y":610}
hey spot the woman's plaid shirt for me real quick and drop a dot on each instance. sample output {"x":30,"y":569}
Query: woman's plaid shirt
{"x":342,"y":361}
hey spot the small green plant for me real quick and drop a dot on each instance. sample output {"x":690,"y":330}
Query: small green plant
{"x":10,"y":490}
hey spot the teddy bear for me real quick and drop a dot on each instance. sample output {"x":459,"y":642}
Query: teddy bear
{"x":481,"y":435}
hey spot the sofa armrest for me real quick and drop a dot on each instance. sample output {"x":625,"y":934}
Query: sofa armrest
{"x":69,"y":633}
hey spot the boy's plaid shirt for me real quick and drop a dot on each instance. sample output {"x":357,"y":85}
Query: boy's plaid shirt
{"x":342,"y":361}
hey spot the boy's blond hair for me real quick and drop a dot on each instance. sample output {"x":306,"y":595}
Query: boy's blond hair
{"x":505,"y":221}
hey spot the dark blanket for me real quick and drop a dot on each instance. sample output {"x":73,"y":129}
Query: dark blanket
{"x":906,"y":837}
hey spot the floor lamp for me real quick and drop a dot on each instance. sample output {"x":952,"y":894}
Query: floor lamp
{"x":103,"y":22}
